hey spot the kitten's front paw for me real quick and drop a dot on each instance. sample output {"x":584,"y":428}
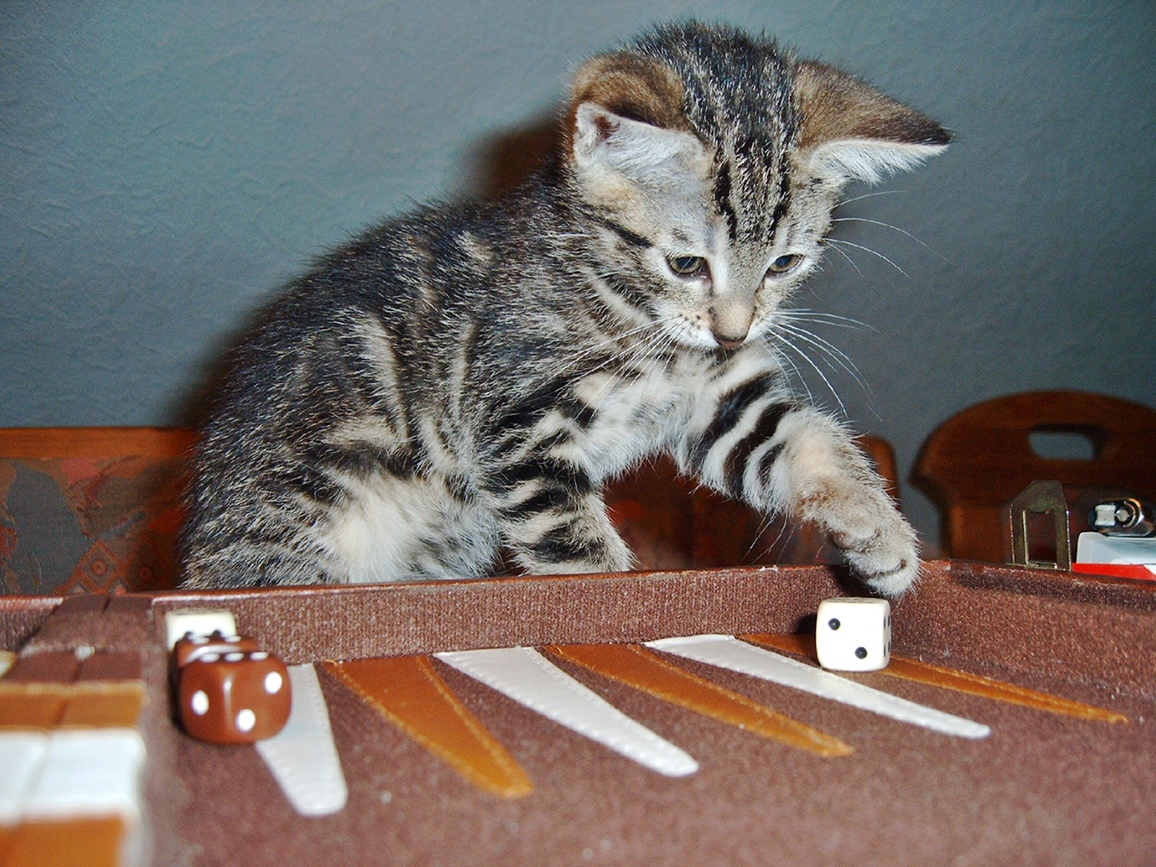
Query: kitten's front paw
{"x":888,"y":566}
{"x":871,"y":534}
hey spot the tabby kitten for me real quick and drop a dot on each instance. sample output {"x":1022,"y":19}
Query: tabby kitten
{"x":465,"y":380}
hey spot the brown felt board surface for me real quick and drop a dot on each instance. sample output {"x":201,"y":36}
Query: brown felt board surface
{"x":1043,"y":789}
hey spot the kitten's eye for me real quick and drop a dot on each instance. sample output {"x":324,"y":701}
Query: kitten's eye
{"x":687,"y":266}
{"x":786,"y":262}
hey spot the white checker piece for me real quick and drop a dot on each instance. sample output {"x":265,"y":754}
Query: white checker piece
{"x":303,"y":757}
{"x":89,"y":773}
{"x":22,"y":755}
{"x":86,"y":772}
{"x":527,"y":677}
{"x":199,"y":621}
{"x":726,"y":651}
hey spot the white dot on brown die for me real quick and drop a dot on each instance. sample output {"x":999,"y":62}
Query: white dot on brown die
{"x":199,"y":703}
{"x":853,"y":633}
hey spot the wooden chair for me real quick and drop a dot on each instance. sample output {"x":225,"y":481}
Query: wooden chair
{"x":981,"y":459}
{"x":90,"y":509}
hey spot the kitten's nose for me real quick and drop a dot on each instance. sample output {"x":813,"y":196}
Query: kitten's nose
{"x":726,"y":341}
{"x":730,"y":321}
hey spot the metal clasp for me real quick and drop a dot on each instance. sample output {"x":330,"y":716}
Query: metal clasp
{"x":1041,"y":498}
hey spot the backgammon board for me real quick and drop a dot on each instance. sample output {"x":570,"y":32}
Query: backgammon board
{"x":1056,"y":672}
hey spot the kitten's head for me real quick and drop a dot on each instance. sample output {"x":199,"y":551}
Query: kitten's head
{"x":715,"y":162}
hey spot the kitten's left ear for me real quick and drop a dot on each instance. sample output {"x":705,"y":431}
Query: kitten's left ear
{"x":850,"y":131}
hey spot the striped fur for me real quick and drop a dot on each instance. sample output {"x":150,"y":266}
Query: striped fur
{"x":464,"y":380}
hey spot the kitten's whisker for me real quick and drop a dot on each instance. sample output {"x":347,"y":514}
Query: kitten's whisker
{"x":765,"y":521}
{"x":869,"y":196}
{"x":844,"y":255}
{"x":782,"y":541}
{"x":568,"y":236}
{"x":787,"y":364}
{"x":835,"y":320}
{"x":649,"y":347}
{"x":827,"y":348}
{"x":893,"y":228}
{"x":872,"y":252}
{"x":655,"y":362}
{"x":792,"y":326}
{"x":638,"y":356}
{"x":833,"y":364}
{"x":836,"y":356}
{"x":831,"y":388}
{"x":609,"y":341}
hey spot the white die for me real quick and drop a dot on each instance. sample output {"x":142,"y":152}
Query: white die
{"x":854,"y":634}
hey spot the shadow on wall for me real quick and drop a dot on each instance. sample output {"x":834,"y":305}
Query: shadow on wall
{"x":506,"y":160}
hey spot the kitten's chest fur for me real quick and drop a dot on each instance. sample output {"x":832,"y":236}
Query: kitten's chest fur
{"x":608,"y":400}
{"x":646,"y":404}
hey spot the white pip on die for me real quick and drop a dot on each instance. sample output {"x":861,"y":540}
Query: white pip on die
{"x":853,"y":634}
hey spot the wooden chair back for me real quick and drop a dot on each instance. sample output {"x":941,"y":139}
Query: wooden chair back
{"x":982,"y":458}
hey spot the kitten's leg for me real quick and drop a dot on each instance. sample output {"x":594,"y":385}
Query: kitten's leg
{"x":221,"y":556}
{"x":780,"y":456}
{"x":827,"y":479}
{"x":553,"y":519}
{"x":251,"y":529}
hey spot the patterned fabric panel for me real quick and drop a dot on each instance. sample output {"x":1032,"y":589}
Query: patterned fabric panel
{"x":73,"y":525}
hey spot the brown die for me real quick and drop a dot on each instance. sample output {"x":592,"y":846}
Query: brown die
{"x":238,"y":697}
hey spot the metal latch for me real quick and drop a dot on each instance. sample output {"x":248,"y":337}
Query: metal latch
{"x":1040,"y":498}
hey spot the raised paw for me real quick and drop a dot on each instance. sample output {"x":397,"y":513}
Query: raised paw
{"x":873,"y":537}
{"x":887,"y":558}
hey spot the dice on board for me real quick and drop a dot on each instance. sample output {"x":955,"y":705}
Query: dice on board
{"x":239,"y":696}
{"x":854,"y":634}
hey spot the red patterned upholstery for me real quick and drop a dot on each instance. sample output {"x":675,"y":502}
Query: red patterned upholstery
{"x":90,"y":509}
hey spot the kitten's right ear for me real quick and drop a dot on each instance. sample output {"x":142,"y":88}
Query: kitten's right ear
{"x":626,"y":117}
{"x":631,"y":86}
{"x":850,"y":131}
{"x":604,"y":141}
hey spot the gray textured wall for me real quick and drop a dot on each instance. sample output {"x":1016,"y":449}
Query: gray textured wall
{"x":166,"y":165}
